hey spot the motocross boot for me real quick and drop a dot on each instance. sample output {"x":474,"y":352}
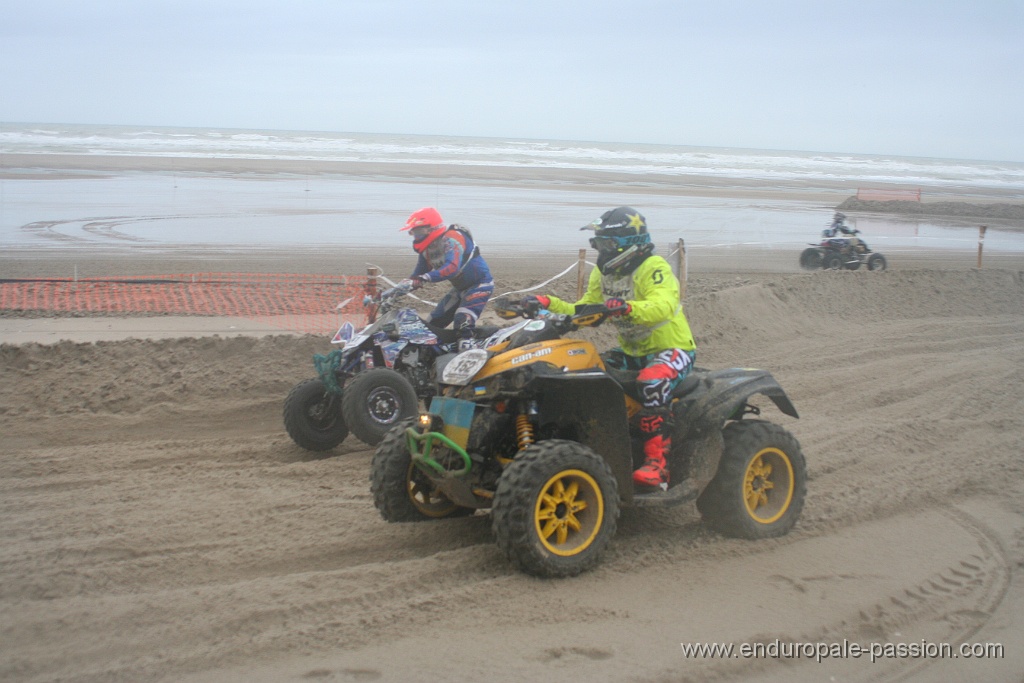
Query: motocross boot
{"x":656,"y":428}
{"x":466,"y":341}
{"x":464,"y":325}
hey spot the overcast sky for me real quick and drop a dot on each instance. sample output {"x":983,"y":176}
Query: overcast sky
{"x":919,"y":77}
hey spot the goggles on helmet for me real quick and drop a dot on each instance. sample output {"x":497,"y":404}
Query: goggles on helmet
{"x":617,"y":243}
{"x":421,"y":231}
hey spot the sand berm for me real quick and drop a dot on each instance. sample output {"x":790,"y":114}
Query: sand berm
{"x":158,"y":524}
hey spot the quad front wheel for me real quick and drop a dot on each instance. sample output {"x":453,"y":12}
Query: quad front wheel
{"x":876,"y":262}
{"x":555,"y":509}
{"x":401,"y":492}
{"x":312,"y":416}
{"x":761,"y":483}
{"x":375,"y":400}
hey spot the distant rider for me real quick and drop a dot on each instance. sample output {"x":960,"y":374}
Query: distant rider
{"x":639,"y":289}
{"x":449,"y":253}
{"x":838,"y":225}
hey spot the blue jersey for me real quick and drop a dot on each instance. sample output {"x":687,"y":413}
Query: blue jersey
{"x":453,"y":257}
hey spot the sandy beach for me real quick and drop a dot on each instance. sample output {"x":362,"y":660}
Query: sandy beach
{"x":158,"y":523}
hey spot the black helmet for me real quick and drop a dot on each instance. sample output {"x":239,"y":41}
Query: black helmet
{"x":621,"y":240}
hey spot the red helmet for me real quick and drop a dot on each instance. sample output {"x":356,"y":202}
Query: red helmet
{"x":428,"y":217}
{"x":426,"y":225}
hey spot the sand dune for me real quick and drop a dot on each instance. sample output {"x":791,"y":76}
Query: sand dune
{"x":159,"y":524}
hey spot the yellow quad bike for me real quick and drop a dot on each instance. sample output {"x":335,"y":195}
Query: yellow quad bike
{"x":539,"y":431}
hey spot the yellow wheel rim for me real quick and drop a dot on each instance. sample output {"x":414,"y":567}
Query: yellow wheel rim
{"x":768,"y":485}
{"x":425,"y":496}
{"x":569,"y":512}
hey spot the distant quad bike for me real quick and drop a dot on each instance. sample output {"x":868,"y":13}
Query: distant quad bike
{"x":537,"y":429}
{"x":375,"y":378}
{"x":836,"y":253}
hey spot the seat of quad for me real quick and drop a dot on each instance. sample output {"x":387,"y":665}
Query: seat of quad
{"x":446,"y":335}
{"x":627,"y":380}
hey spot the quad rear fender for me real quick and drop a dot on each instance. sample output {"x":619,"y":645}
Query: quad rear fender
{"x":726,"y":391}
{"x":591,"y":406}
{"x":720,"y":397}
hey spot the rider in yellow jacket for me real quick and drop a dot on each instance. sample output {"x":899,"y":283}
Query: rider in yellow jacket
{"x":642,"y":294}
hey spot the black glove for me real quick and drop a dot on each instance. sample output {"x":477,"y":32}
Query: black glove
{"x":535,"y":302}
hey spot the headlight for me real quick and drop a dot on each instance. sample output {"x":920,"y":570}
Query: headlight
{"x":427,"y":422}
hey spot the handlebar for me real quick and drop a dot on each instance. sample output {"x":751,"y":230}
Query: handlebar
{"x":590,"y":315}
{"x":398,"y":290}
{"x":383,"y":301}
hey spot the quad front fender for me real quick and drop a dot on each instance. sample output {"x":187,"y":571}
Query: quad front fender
{"x":591,"y":407}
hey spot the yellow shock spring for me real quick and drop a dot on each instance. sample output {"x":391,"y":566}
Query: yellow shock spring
{"x":524,"y":431}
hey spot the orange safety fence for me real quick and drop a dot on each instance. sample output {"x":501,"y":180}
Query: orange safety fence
{"x":887,"y":195}
{"x":300,"y":303}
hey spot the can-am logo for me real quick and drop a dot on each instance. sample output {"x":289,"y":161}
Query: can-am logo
{"x":530,"y":356}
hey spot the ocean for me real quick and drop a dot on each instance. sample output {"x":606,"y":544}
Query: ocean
{"x":153,"y":209}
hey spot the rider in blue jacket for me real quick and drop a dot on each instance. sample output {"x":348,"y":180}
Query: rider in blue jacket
{"x":448,"y":253}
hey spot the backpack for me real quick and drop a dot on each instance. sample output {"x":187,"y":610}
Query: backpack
{"x":468,"y":235}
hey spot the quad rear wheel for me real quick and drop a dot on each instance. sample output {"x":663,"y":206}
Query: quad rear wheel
{"x":761,"y":483}
{"x":810,"y":259}
{"x":555,"y":509}
{"x":312,"y":416}
{"x":832,"y":261}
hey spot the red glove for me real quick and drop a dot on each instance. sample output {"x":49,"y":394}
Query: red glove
{"x":616,"y":307}
{"x":536,"y":300}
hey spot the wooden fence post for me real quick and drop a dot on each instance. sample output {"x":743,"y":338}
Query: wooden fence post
{"x":372,"y":272}
{"x":579,"y":274}
{"x":981,"y":241}
{"x":681,"y":254}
